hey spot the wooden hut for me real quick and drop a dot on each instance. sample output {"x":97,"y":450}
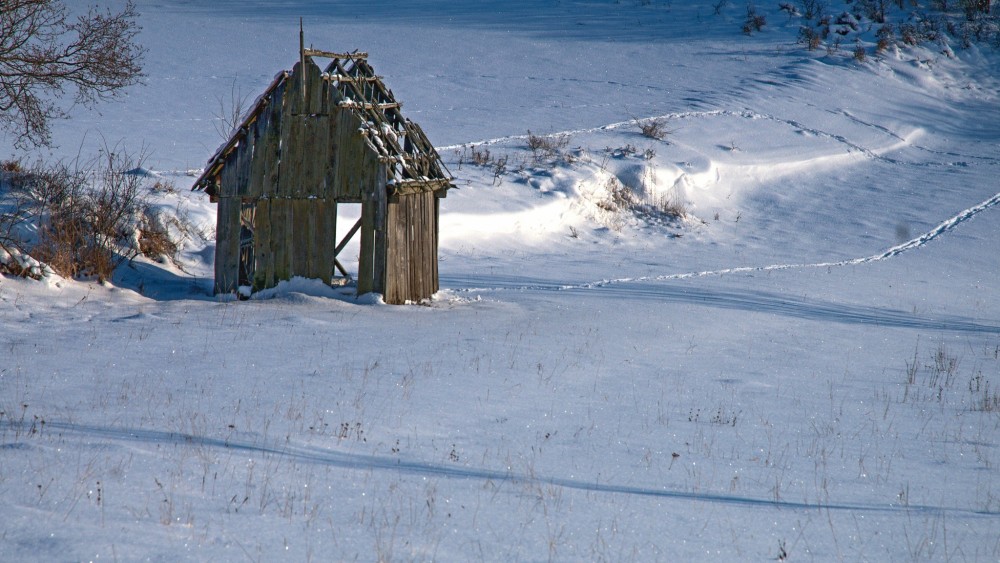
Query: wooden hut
{"x":315,"y":139}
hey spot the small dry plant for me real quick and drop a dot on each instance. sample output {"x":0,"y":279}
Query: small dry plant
{"x":546,"y":146}
{"x":623,"y":198}
{"x":656,"y":128}
{"x":860,"y":54}
{"x":754,"y":21}
{"x":481,"y":156}
{"x":154,"y":238}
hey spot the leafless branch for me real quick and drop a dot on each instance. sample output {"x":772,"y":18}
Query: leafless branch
{"x":44,"y":52}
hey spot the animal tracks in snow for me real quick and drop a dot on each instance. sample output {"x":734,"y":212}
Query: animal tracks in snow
{"x":894,"y":142}
{"x":942,"y":228}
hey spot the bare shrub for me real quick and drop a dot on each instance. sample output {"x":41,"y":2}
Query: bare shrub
{"x":623,"y":198}
{"x":481,"y":157}
{"x":886,"y":38}
{"x":546,"y":146}
{"x":666,"y":206}
{"x":163,"y":187}
{"x":754,"y":21}
{"x":620,"y":197}
{"x":809,"y":37}
{"x":812,"y":8}
{"x":973,"y":8}
{"x":154,"y":238}
{"x":88,"y":218}
{"x":499,"y":168}
{"x":654,"y":128}
{"x":860,"y":54}
{"x":875,"y":10}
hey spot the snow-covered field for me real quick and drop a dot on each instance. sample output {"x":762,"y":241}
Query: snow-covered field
{"x":805,"y":364}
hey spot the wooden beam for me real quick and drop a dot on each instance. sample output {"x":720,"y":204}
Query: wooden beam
{"x":368,"y":106}
{"x":340,"y":267}
{"x":347,"y":238}
{"x":357,"y":56}
{"x":406,"y":187}
{"x":367,"y":254}
{"x":349,"y":78}
{"x":380,"y":224}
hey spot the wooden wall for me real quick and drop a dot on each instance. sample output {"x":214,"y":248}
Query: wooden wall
{"x":411,"y":246}
{"x":301,"y":156}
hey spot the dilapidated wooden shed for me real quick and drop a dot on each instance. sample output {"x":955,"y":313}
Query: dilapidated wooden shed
{"x":314,"y":139}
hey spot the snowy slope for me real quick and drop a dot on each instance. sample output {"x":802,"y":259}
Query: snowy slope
{"x":803,"y":364}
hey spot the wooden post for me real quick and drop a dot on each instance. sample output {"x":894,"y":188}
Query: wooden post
{"x":227,"y":249}
{"x":381,"y":202}
{"x":262,"y":248}
{"x":302,"y":59}
{"x":366,"y":281}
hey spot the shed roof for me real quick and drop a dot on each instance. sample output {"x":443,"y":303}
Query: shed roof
{"x":412,"y":162}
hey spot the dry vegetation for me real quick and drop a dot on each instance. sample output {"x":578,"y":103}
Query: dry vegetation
{"x":82,"y":221}
{"x":889,"y":24}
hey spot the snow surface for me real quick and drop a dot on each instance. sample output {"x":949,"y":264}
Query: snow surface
{"x":800,"y":365}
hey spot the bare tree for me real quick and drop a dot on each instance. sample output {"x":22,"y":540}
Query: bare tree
{"x":230,"y":114}
{"x":44,"y":51}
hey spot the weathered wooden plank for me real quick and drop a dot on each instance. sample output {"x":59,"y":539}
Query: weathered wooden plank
{"x":369,"y":106}
{"x":352,"y":172}
{"x":414,"y":186}
{"x":244,"y":161}
{"x":323,"y":239}
{"x":416,"y":236}
{"x":300,"y":236}
{"x":229,"y":181}
{"x":247,"y":225}
{"x":436,"y":286}
{"x":227,"y":248}
{"x":314,"y":90}
{"x":271,"y":163}
{"x":331,"y":55}
{"x":348,"y":78}
{"x":290,"y":179}
{"x":392,"y":285}
{"x":366,"y":281}
{"x":424,"y":234}
{"x":280,"y":232}
{"x":263,"y":253}
{"x":381,"y":203}
{"x":330,"y":154}
{"x":312,"y":167}
{"x":290,"y":128}
{"x":261,"y":148}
